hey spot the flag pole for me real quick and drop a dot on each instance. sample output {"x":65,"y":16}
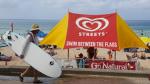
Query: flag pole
{"x":115,"y":50}
{"x":68,"y":53}
{"x":68,"y":48}
{"x":12,"y":26}
{"x":115,"y":55}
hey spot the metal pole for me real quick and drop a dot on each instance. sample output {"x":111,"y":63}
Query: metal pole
{"x":68,"y":54}
{"x":115,"y":55}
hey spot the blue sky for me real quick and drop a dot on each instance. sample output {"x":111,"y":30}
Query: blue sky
{"x":56,"y":9}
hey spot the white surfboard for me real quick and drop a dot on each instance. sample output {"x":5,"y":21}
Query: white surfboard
{"x":37,"y":58}
{"x":10,"y":36}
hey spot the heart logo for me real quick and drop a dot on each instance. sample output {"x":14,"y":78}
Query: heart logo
{"x":88,"y":24}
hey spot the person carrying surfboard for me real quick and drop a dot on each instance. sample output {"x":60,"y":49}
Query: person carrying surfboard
{"x":31,"y":37}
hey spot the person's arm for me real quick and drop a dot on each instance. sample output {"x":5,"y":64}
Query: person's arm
{"x":28,"y":39}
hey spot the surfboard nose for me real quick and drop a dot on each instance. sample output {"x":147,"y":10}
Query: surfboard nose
{"x":56,"y":69}
{"x":58,"y":73}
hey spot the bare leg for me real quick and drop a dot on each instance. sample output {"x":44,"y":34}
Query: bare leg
{"x":26,"y":71}
{"x":35,"y":72}
{"x":35,"y":75}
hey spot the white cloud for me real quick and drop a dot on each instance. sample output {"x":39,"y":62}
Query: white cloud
{"x":37,"y":9}
{"x":134,"y":4}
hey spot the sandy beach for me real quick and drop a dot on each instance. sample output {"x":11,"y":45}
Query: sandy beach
{"x":15,"y":60}
{"x":63,"y":54}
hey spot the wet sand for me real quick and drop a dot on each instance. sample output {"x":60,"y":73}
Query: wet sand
{"x":80,"y":79}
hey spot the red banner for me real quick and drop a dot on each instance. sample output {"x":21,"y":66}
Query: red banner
{"x":114,"y":65}
{"x":92,"y":31}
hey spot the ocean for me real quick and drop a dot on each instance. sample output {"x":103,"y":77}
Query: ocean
{"x":22,"y":26}
{"x":140,"y":26}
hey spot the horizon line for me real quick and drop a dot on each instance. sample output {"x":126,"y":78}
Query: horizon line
{"x":56,"y":19}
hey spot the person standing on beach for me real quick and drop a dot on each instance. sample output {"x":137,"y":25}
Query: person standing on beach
{"x":31,"y":37}
{"x":110,"y":56}
{"x":92,"y":53}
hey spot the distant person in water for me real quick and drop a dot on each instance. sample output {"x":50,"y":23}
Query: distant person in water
{"x":31,"y":37}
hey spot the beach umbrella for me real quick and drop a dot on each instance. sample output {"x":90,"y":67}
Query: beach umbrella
{"x":102,"y":31}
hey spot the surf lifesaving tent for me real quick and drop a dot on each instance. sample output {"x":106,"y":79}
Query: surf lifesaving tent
{"x":102,"y":31}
